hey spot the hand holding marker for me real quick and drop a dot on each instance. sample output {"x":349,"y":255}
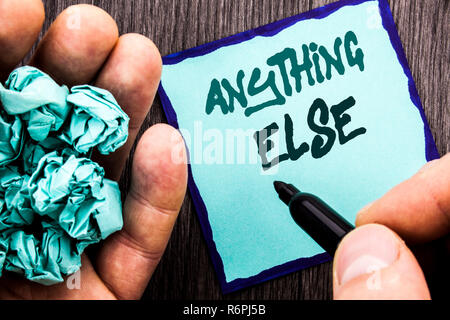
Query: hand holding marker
{"x":372,"y":261}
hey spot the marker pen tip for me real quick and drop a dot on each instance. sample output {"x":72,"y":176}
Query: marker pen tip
{"x":285,"y":191}
{"x":278,"y":186}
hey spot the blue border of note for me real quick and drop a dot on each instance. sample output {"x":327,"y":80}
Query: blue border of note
{"x":268,"y":31}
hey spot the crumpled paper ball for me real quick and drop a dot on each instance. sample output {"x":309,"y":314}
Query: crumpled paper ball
{"x":54,"y":200}
{"x":33,"y":152}
{"x":74,"y":192}
{"x":97,"y":121}
{"x":15,"y":207}
{"x":43,"y":260}
{"x":38,"y":99}
{"x":11,"y":137}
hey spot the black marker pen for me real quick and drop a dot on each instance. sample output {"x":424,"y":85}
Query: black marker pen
{"x":321,"y":222}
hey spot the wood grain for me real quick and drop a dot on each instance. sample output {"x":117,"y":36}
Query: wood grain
{"x":185,"y":271}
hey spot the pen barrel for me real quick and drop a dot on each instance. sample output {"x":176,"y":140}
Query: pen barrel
{"x":319,"y":221}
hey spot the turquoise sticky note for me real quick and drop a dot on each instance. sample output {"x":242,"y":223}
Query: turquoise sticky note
{"x":324,"y":100}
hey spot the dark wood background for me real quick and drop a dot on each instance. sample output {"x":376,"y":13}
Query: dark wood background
{"x":186,"y":271}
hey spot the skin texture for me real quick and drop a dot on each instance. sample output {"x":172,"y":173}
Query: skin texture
{"x":129,"y":67}
{"x":133,"y":89}
{"x":423,"y":201}
{"x":401,"y":279}
{"x":26,"y":28}
{"x":418,"y":211}
{"x":71,"y":51}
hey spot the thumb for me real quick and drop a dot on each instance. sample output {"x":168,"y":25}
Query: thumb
{"x":373,"y":263}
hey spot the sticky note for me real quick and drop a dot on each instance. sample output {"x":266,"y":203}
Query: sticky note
{"x":324,"y":100}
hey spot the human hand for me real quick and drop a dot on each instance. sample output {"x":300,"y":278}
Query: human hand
{"x":373,"y":262}
{"x":83,"y":46}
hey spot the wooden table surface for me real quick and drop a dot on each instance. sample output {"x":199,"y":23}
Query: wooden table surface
{"x":186,"y":271}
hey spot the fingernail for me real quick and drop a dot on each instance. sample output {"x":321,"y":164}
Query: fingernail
{"x":367,"y":249}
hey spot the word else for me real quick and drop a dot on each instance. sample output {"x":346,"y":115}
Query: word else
{"x":319,"y":146}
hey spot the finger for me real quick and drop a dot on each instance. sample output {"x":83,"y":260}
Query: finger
{"x":20,"y":24}
{"x":417,"y":209}
{"x":76,"y":45}
{"x":131,"y":74}
{"x":373,"y":263}
{"x":85,"y":285}
{"x":128,"y":258}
